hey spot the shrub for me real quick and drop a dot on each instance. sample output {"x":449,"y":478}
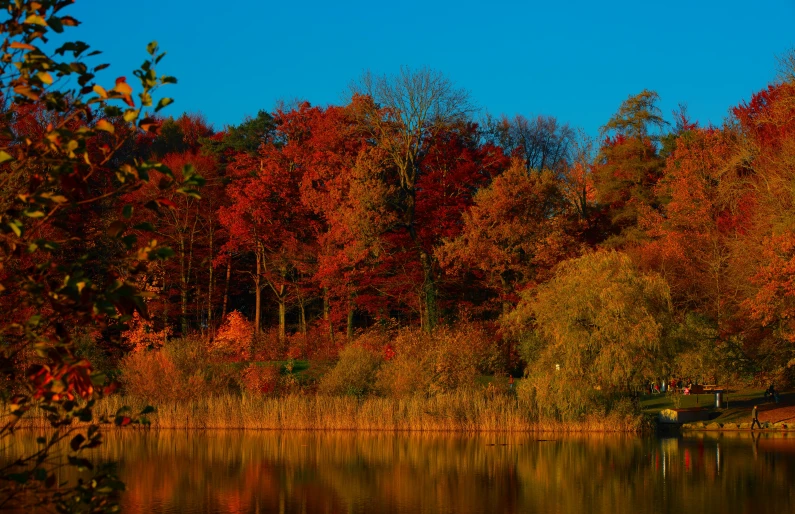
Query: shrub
{"x":178,"y":371}
{"x":261,"y":380}
{"x":268,"y":346}
{"x":354,"y":374}
{"x":428,"y":364}
{"x":151,"y":375}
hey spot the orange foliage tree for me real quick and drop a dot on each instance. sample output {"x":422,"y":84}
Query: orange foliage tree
{"x":518,"y":229}
{"x":234,"y":336}
{"x":142,"y":335}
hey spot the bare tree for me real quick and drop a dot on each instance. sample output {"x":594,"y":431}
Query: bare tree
{"x":542,"y":141}
{"x":786,"y":67}
{"x":402,"y":114}
{"x":576,"y":179}
{"x":407,"y":110}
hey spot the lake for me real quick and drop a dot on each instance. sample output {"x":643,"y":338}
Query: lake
{"x":354,"y":472}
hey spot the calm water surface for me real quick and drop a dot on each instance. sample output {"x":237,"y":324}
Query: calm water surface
{"x":306,"y":472}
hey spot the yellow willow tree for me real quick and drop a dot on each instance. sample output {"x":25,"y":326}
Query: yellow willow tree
{"x":598,"y":325}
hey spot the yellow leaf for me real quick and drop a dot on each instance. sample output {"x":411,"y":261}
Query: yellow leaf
{"x":44,"y":77}
{"x":26,"y":91}
{"x":106,"y":126}
{"x":59,"y":199}
{"x":130,"y":115}
{"x":5,"y":156}
{"x":123,"y":88}
{"x":34,"y":19}
{"x":100,"y":91}
{"x":57,"y":386}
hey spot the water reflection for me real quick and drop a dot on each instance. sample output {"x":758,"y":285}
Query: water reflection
{"x":308,"y":472}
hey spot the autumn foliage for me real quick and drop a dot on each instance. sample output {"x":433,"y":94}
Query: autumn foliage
{"x":234,"y":336}
{"x":408,"y":245}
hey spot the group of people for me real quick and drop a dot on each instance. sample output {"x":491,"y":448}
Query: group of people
{"x":673,"y":386}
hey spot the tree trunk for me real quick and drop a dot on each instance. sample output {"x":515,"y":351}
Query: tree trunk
{"x":506,"y":305}
{"x":183,"y":285}
{"x":302,"y":314}
{"x":257,"y":294}
{"x":350,"y":321}
{"x":282,"y":327}
{"x":210,"y":287}
{"x":226,"y":287}
{"x":327,"y":313}
{"x":428,"y":292}
{"x":430,"y":313}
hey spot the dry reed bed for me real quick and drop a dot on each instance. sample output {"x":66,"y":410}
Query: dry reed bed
{"x":455,"y":412}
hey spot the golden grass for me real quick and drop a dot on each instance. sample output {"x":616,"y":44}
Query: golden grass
{"x":461,"y":411}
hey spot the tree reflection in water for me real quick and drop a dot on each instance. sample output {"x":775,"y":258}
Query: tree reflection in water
{"x":344,"y":472}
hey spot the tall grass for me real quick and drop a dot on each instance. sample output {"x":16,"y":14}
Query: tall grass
{"x":463,"y":411}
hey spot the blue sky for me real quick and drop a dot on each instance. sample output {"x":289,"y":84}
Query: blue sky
{"x":573,"y":60}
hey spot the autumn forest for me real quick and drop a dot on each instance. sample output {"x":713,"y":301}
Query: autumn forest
{"x":401,"y":260}
{"x":406,"y":209}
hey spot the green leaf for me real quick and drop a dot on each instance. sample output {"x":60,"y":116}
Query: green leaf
{"x":152,"y":48}
{"x":19,"y":478}
{"x":77,"y":441}
{"x":164,"y":252}
{"x":192,"y":193}
{"x":127,"y":211}
{"x":148,"y":410}
{"x":16,"y":227}
{"x":80,"y":463}
{"x":129,"y":240}
{"x":145,"y":226}
{"x":55,"y":24}
{"x":163,"y":103}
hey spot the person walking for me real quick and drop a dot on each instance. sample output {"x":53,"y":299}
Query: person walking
{"x":755,"y":418}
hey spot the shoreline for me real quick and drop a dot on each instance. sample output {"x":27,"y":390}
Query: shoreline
{"x":737,"y":427}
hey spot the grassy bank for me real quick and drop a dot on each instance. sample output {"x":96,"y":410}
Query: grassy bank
{"x":455,"y":412}
{"x":736,"y":413}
